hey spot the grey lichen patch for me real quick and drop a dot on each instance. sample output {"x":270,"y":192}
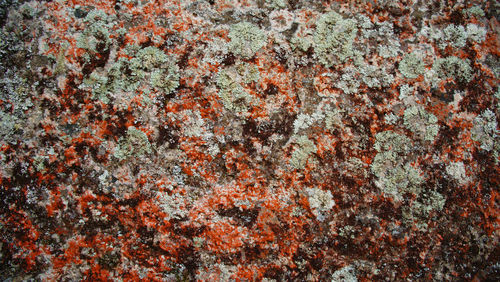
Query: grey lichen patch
{"x":135,"y":144}
{"x":320,"y":202}
{"x":419,"y":211}
{"x":420,"y":122}
{"x":345,"y":274}
{"x":456,"y":170}
{"x":454,"y":36}
{"x":476,"y":33}
{"x":149,"y":66}
{"x":166,"y":79}
{"x":15,"y":95}
{"x":246,"y":39}
{"x":375,"y":76}
{"x":276,"y":4}
{"x":395,"y":175}
{"x":148,"y":59}
{"x":172,"y":204}
{"x":412,"y":66}
{"x":96,"y":36}
{"x":485,"y":130}
{"x":349,"y":81}
{"x":301,"y":154}
{"x":99,"y":85}
{"x":231,"y":82}
{"x":334,"y":38}
{"x":392,"y":141}
{"x":10,"y":128}
{"x":474,"y":11}
{"x":453,"y":67}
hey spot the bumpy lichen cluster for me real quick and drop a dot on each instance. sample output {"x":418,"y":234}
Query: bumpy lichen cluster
{"x":420,"y":122}
{"x":246,"y":39}
{"x":135,"y":144}
{"x":396,"y":174}
{"x":232,"y":82}
{"x":302,"y":153}
{"x":411,"y":66}
{"x":334,"y":38}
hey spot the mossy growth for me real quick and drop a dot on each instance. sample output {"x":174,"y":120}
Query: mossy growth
{"x":302,"y":153}
{"x":246,"y":39}
{"x":334,"y":38}
{"x":453,"y":67}
{"x":135,"y":144}
{"x":420,"y":122}
{"x":395,"y":175}
{"x":411,"y":66}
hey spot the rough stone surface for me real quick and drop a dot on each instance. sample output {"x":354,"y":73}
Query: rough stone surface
{"x":249,"y":140}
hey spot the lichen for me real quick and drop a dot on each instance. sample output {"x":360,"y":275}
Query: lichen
{"x":231,"y":82}
{"x":96,"y":38}
{"x":320,"y":202}
{"x":166,"y":79}
{"x":419,"y":211}
{"x":454,"y":36}
{"x":456,"y":170}
{"x":453,"y":67}
{"x":412,"y":65}
{"x":334,"y":38}
{"x":302,"y":153}
{"x":345,"y":274}
{"x":135,"y":144}
{"x":485,"y":130}
{"x":420,"y":122}
{"x":395,"y":175}
{"x":246,"y":39}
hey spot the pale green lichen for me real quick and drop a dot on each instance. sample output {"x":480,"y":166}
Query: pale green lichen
{"x":456,"y":170}
{"x":276,"y":4}
{"x":454,"y":35}
{"x":474,"y":11}
{"x":345,"y":274}
{"x":485,"y":130}
{"x":302,"y":153}
{"x":412,"y":65}
{"x":148,"y":64}
{"x":148,"y":59}
{"x":375,"y":76}
{"x":349,"y":81}
{"x":166,"y":79}
{"x":246,"y":39}
{"x":476,"y":33}
{"x":320,"y":202}
{"x":231,"y":81}
{"x":10,"y":128}
{"x":420,"y":122}
{"x":96,"y":35}
{"x":453,"y":67}
{"x":99,"y":85}
{"x":395,"y":175}
{"x":334,"y":38}
{"x":135,"y":144}
{"x":419,"y":211}
{"x":391,"y":141}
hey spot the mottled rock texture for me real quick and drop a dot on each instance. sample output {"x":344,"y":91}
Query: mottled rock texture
{"x":249,"y":140}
